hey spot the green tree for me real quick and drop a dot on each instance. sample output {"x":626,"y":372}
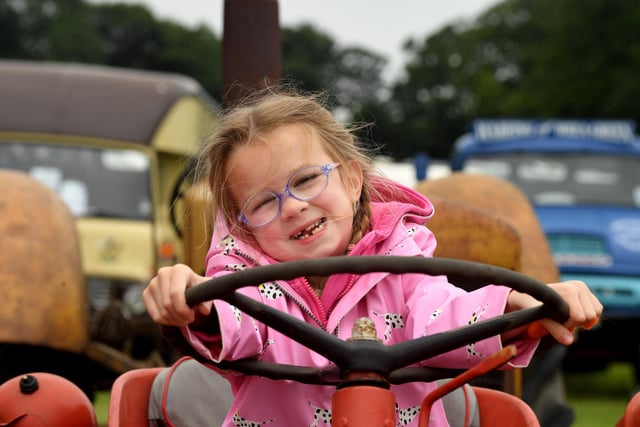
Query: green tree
{"x":133,"y":38}
{"x":202,"y":59}
{"x":10,"y":40}
{"x":585,"y":61}
{"x":131,"y":35}
{"x":48,"y":30}
{"x":314,"y":62}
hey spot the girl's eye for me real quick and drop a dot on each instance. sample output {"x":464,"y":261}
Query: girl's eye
{"x":262,"y":201}
{"x":305,"y":179}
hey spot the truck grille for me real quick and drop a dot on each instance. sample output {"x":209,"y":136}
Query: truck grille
{"x":579,"y":250}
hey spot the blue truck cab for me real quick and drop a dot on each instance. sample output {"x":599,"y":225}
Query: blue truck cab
{"x":583,"y":179}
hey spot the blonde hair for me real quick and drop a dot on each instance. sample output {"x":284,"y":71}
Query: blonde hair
{"x":265,"y":112}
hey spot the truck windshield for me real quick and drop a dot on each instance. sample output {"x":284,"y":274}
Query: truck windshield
{"x":92,"y":182}
{"x":566,"y":179}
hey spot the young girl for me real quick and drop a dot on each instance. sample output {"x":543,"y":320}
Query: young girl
{"x":289,"y":182}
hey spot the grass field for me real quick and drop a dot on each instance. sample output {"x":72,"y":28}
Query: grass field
{"x":101,"y":403}
{"x":598,"y":398}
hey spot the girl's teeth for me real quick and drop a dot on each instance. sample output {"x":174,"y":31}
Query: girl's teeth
{"x":309,"y":231}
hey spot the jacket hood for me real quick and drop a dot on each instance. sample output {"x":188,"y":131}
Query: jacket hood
{"x":398,"y":201}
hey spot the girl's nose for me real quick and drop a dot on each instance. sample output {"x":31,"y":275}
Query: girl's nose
{"x":291,"y":207}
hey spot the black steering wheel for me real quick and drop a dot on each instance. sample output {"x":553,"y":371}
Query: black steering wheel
{"x":389,"y":361}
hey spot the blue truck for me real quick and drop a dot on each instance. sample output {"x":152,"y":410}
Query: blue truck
{"x":583,"y":180}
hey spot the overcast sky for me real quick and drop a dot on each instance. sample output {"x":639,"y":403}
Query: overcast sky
{"x":379,"y":25}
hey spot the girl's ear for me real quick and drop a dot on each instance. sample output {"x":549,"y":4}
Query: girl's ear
{"x":354,"y":179}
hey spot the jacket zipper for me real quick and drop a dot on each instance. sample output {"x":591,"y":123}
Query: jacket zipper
{"x":302,"y":305}
{"x":352,"y":280}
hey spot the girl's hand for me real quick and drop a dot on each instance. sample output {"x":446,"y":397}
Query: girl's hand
{"x":584,"y":311}
{"x":164,"y":296}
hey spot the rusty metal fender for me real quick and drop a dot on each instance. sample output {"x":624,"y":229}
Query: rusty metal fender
{"x":505,"y":202}
{"x":44,"y":300}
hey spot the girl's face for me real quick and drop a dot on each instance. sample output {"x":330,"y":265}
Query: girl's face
{"x":318,"y":227}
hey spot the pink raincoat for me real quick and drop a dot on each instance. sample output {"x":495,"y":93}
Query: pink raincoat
{"x":402,"y":306}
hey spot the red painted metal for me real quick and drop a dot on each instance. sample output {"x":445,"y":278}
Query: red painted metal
{"x":486,"y":365}
{"x":41,"y":399}
{"x":363,"y":406}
